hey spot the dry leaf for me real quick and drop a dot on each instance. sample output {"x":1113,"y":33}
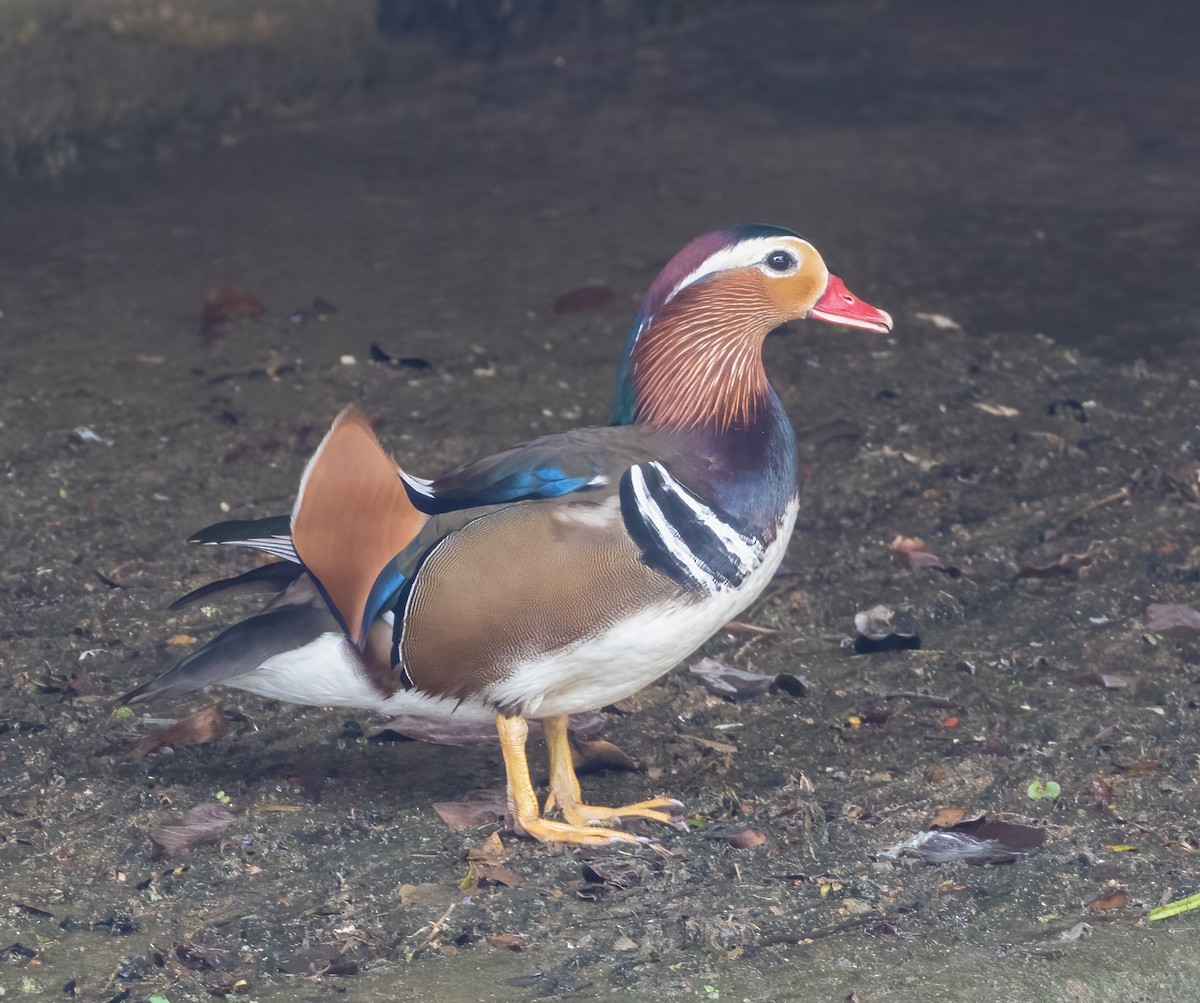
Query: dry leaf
{"x":226,"y":303}
{"x":911,"y":552}
{"x":612,"y":871}
{"x":946,"y":818}
{"x":723,"y":747}
{"x":735,"y":684}
{"x":479,"y":808}
{"x":1173,"y":620}
{"x":491,"y":852}
{"x":975,"y":841}
{"x":1064,"y":564}
{"x":497,"y":874}
{"x":486,"y":863}
{"x":1116,"y":899}
{"x":203,"y":823}
{"x":507,"y":941}
{"x":205,"y":725}
{"x":746,"y":839}
{"x":590,"y":757}
{"x":1142,"y":767}
{"x":1108,"y":681}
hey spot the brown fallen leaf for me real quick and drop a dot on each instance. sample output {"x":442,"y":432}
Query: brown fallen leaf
{"x":200,"y":824}
{"x":947,"y":817}
{"x":613,"y":872}
{"x":497,"y":874}
{"x":976,"y":841}
{"x":478,"y":808}
{"x":1142,"y":767}
{"x":1064,"y":564}
{"x":1107,"y":680}
{"x":507,"y":941}
{"x":486,"y":862}
{"x":226,"y":303}
{"x":1173,"y":620}
{"x":589,"y":297}
{"x":746,"y":839}
{"x":490,"y":851}
{"x":205,"y":725}
{"x":735,"y":684}
{"x":911,"y":552}
{"x":598,"y":754}
{"x":722,"y":747}
{"x":1115,"y":899}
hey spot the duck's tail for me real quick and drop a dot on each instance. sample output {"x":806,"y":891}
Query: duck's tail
{"x":351,"y":518}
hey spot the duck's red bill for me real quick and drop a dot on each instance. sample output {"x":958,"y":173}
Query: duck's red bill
{"x":839,"y":305}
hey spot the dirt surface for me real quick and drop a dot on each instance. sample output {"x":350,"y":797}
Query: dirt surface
{"x":1029,"y":218}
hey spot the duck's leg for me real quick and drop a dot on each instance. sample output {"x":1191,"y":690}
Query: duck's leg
{"x":566,"y":796}
{"x":522,"y":802}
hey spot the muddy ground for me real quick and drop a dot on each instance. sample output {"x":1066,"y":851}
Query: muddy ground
{"x":1029,"y":218}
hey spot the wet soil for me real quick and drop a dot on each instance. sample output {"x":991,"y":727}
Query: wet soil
{"x":1026,"y":215}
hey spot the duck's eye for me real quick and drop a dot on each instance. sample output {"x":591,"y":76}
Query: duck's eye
{"x":780,"y":261}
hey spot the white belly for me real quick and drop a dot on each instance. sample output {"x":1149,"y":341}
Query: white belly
{"x":327,"y":672}
{"x":635,"y":652}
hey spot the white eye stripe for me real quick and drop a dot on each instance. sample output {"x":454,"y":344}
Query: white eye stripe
{"x":743,"y":254}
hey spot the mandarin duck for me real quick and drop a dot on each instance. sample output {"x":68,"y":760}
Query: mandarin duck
{"x":561,"y":575}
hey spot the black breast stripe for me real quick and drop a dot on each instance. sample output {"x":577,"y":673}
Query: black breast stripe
{"x":681,"y":536}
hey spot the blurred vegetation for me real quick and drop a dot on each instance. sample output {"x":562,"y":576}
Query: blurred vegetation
{"x":85,"y":82}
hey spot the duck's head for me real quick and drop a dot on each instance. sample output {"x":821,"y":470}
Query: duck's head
{"x":694,"y":355}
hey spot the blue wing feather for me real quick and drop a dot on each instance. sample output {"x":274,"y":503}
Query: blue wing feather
{"x":550,"y":467}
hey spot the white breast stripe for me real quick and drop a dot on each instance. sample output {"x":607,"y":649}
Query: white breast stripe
{"x":667,"y":533}
{"x":745,"y":549}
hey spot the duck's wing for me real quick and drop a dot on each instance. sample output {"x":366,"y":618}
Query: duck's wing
{"x":581,"y":463}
